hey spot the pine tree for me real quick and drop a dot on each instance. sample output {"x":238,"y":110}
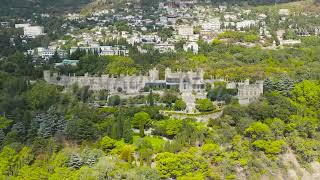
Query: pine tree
{"x":90,"y":156}
{"x":286,"y":85}
{"x":51,"y":123}
{"x":268,"y":85}
{"x":35,"y":124}
{"x":19,"y":127}
{"x":60,"y":124}
{"x":46,"y":127}
{"x":56,"y":57}
{"x":91,"y":161}
{"x":75,"y":161}
{"x":127,"y":131}
{"x":151,"y":98}
{"x":2,"y":136}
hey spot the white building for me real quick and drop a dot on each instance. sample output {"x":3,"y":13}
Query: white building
{"x":212,"y":25}
{"x":150,"y":38}
{"x":47,"y":53}
{"x":21,"y":25}
{"x":33,"y":31}
{"x":245,"y":24}
{"x":262,"y":16}
{"x":249,"y":92}
{"x":290,"y":42}
{"x":172,"y":19}
{"x":191,"y":46}
{"x":223,"y":8}
{"x":284,"y":12}
{"x":87,"y":49}
{"x":185,"y":31}
{"x":230,"y":17}
{"x":163,"y":20}
{"x":113,"y":51}
{"x":73,"y":17}
{"x":165,"y":47}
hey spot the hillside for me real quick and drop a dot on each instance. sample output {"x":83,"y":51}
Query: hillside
{"x":27,"y":7}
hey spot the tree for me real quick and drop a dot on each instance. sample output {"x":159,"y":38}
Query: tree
{"x":121,"y":65}
{"x":267,"y":85}
{"x":126,"y":153}
{"x":168,"y":128}
{"x":103,"y":95}
{"x":55,"y":58}
{"x":141,"y":120}
{"x":307,"y":93}
{"x":42,"y":95}
{"x":145,"y":151}
{"x":258,"y":130}
{"x":169,"y":97}
{"x":170,"y":165}
{"x":221,"y":93}
{"x":114,"y":100}
{"x":46,"y":127}
{"x":269,"y":147}
{"x":210,"y":150}
{"x":106,"y":143}
{"x":236,"y":112}
{"x":151,"y":98}
{"x":283,"y":85}
{"x":2,"y":136}
{"x":7,"y":159}
{"x":50,"y":123}
{"x":80,"y":129}
{"x":127,"y":131}
{"x":24,"y":157}
{"x":277,"y":126}
{"x":84,"y":93}
{"x":204,"y":105}
{"x":290,"y":34}
{"x":180,"y":105}
{"x":75,"y":161}
{"x":147,"y":173}
{"x":4,"y":122}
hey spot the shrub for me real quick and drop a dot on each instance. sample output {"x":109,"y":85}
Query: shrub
{"x":204,"y":105}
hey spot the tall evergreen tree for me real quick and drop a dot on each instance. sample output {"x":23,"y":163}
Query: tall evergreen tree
{"x":127,"y":131}
{"x":151,"y":98}
{"x":50,"y":123}
{"x":75,"y":161}
{"x":2,"y":136}
{"x":56,"y":58}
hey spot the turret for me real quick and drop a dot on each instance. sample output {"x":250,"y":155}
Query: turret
{"x":201,"y":74}
{"x":247,"y":82}
{"x":47,"y":75}
{"x":167,"y":72}
{"x":260,"y":84}
{"x":55,"y":76}
{"x":154,"y":74}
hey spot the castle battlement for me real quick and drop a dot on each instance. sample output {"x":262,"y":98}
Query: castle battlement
{"x":184,"y":81}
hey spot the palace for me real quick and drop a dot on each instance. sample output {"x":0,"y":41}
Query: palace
{"x":184,"y":81}
{"x":247,"y":92}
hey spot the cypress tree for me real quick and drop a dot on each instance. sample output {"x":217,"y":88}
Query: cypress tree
{"x":127,"y":131}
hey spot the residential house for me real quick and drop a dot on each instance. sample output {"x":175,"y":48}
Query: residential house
{"x":191,"y":46}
